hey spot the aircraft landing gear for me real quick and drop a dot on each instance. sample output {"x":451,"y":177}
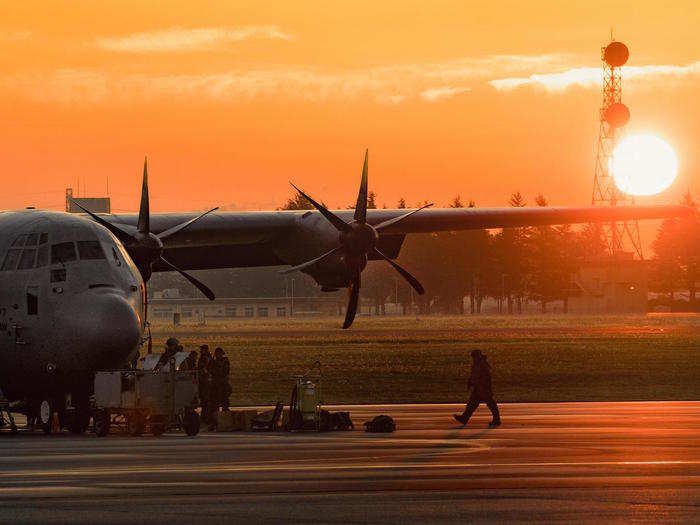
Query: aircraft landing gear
{"x":78,"y":417}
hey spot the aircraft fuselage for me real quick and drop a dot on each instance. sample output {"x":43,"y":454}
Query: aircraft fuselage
{"x":71,"y":303}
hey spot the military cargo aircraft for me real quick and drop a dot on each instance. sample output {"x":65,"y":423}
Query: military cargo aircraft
{"x":72,"y":293}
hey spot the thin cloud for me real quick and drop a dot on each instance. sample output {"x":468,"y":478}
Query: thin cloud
{"x":435,"y":94}
{"x":15,"y":36}
{"x":179,"y":39}
{"x":390,"y":84}
{"x":591,"y":76}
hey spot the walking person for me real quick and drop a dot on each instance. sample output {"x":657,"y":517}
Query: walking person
{"x":480,"y":383}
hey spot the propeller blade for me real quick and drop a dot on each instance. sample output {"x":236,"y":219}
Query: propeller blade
{"x":354,"y":293}
{"x":311,"y":262}
{"x":172,"y":231}
{"x":395,"y":220}
{"x":120,"y":234}
{"x":200,"y":286}
{"x":336,"y":221}
{"x":144,"y":224}
{"x":411,"y":280}
{"x":361,"y":206}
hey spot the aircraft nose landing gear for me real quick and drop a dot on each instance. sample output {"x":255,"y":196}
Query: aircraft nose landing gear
{"x":78,"y":415}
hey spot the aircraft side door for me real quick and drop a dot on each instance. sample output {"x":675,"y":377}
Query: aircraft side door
{"x":26,"y":331}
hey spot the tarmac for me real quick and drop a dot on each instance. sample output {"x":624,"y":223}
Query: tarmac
{"x":582,"y":462}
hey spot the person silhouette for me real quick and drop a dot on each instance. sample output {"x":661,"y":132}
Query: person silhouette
{"x":480,"y":383}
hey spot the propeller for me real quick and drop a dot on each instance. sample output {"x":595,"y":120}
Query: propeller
{"x":146,"y":248}
{"x":357,"y":240}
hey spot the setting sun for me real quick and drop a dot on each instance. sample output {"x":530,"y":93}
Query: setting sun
{"x":644,"y":165}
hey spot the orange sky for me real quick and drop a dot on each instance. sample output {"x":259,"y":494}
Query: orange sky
{"x":230,"y":103}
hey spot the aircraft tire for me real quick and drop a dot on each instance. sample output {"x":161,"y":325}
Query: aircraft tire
{"x":78,"y":422}
{"x":190,"y":423}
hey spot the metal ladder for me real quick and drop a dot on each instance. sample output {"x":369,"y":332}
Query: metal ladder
{"x":5,"y":408}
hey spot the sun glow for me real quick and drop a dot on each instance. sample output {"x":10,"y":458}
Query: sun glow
{"x":644,"y":165}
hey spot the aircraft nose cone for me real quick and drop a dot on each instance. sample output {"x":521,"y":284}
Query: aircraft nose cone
{"x":107,"y":328}
{"x":115,"y":332}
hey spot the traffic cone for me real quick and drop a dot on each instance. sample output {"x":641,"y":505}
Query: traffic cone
{"x":55,"y":428}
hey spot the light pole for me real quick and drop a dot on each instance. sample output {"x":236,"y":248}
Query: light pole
{"x":291,"y":301}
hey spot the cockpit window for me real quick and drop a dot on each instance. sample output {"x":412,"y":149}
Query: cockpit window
{"x":27,"y":259}
{"x":32,"y":239}
{"x":62,"y":252}
{"x":42,"y":256}
{"x":44,"y":238}
{"x":19,"y":241}
{"x":89,"y":250}
{"x":11,"y":259}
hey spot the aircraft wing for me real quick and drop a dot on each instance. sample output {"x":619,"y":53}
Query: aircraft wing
{"x":245,"y":239}
{"x":453,"y":219}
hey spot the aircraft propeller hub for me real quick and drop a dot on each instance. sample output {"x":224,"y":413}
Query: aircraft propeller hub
{"x":148,"y":242}
{"x":361,"y":238}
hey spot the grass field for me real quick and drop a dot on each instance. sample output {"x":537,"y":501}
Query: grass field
{"x":402,"y":359}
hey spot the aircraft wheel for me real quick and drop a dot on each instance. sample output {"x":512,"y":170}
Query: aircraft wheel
{"x":157,"y":426}
{"x":78,"y":422}
{"x":102,"y":422}
{"x":78,"y":419}
{"x":190,"y":423}
{"x":135,"y":424}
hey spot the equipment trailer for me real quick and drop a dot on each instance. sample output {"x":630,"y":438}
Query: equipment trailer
{"x":150,"y":398}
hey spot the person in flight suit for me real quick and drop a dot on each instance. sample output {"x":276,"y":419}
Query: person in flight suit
{"x":190,"y":362}
{"x":220,"y":386}
{"x":480,"y":383}
{"x":204,"y":376}
{"x":172,"y":346}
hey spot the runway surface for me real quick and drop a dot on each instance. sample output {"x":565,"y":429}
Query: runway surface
{"x":554,"y":461}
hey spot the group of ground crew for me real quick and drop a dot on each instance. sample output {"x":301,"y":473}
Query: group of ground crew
{"x":215,"y":388}
{"x":212,"y":373}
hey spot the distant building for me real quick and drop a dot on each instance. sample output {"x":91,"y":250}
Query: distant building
{"x":94,"y":204}
{"x":199,"y":309}
{"x":610,"y":285}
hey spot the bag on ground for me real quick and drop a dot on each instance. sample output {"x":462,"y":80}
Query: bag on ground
{"x":380,"y":424}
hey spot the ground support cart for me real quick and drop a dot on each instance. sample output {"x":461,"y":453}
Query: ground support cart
{"x":154,"y":400}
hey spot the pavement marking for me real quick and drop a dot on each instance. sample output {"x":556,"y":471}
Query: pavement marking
{"x":180,"y":469}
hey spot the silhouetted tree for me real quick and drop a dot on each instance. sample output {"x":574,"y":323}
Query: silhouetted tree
{"x":297,"y":202}
{"x":677,"y":255}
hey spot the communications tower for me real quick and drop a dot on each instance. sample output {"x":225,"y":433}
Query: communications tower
{"x":620,"y":237}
